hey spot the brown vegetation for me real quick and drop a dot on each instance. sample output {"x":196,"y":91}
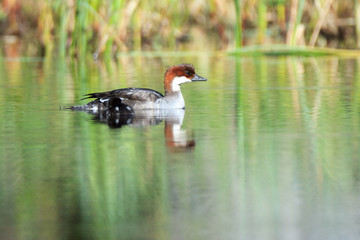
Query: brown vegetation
{"x":80,"y":26}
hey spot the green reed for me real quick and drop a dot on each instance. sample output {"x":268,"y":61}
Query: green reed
{"x":79,"y":27}
{"x":238,"y":25}
{"x":261,"y":21}
{"x":357,"y":23}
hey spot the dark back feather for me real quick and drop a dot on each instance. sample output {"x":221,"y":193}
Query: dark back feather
{"x":131,"y":94}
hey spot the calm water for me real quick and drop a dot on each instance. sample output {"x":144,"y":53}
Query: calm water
{"x":268,"y":148}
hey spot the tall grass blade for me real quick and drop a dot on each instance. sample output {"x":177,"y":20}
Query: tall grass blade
{"x":357,"y":21}
{"x":296,"y":12}
{"x":261,"y":21}
{"x":238,"y":25}
{"x":323,"y":13}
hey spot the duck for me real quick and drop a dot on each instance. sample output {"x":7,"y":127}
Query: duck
{"x":144,"y":98}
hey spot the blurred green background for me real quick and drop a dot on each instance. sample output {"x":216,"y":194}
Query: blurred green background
{"x":276,"y":152}
{"x":106,"y":27}
{"x":276,"y":138}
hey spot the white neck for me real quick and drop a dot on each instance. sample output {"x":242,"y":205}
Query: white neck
{"x":174,"y":100}
{"x":177,"y":81}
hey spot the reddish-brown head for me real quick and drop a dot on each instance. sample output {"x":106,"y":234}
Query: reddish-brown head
{"x":179,"y":74}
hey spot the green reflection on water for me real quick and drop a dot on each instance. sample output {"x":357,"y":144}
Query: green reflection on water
{"x":275,"y":156}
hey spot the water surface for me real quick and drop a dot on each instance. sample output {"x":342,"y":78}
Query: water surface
{"x":267,"y":148}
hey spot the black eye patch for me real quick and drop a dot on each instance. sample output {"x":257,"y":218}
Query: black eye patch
{"x":188,"y":72}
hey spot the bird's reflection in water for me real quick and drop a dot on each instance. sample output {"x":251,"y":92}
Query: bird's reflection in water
{"x":176,"y":138}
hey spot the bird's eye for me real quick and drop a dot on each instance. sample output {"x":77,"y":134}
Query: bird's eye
{"x":187,"y":73}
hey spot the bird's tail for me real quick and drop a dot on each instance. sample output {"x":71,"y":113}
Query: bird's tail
{"x":74,"y":108}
